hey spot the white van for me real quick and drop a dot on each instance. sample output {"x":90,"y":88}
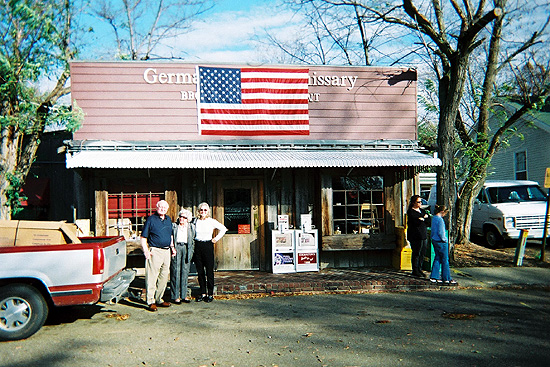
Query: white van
{"x":503,"y":208}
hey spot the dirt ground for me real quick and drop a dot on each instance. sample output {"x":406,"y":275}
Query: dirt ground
{"x":474,"y":255}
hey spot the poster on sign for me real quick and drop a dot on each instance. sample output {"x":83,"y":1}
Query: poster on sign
{"x":307,"y":258}
{"x":307,"y":251}
{"x":306,"y":240}
{"x":282,"y":221}
{"x":243,"y":229}
{"x":305,"y":220}
{"x":283,"y":258}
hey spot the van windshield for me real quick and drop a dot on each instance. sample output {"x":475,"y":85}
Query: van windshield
{"x":515,"y":194}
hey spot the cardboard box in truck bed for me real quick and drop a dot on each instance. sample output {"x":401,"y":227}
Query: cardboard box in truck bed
{"x":36,"y":233}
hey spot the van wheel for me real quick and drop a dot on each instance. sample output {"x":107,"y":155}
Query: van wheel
{"x":23,"y":311}
{"x":492,"y":237}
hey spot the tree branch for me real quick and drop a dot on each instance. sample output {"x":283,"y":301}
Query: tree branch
{"x":468,"y":8}
{"x":460,"y":13}
{"x":461,"y":130}
{"x":480,"y":8}
{"x":427,"y":28}
{"x":490,"y":77}
{"x":527,"y":44}
{"x":363,"y":35}
{"x":469,"y":34}
{"x":439,"y":16}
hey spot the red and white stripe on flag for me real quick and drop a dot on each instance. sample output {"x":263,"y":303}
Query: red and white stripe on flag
{"x":253,"y":101}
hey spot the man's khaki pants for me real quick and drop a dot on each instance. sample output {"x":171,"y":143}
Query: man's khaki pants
{"x":157,"y":273}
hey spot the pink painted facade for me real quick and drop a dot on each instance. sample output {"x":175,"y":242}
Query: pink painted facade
{"x":147,"y":101}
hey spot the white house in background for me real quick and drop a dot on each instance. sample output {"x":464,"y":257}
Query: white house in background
{"x":426,"y":180}
{"x":525,"y":158}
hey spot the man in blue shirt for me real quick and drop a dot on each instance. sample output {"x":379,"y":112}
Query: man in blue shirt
{"x":157,"y":245}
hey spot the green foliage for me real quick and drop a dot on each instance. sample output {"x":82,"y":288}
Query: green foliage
{"x":427,"y":135}
{"x":65,"y":117}
{"x":13,"y":193}
{"x":427,"y":126}
{"x":34,"y":50}
{"x":30,"y":30}
{"x":33,"y":45}
{"x":504,"y":89}
{"x":429,"y":100}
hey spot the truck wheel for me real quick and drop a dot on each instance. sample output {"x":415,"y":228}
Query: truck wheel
{"x":23,"y":311}
{"x":492,"y":237}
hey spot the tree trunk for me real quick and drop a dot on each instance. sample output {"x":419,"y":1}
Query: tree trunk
{"x":450,"y":94}
{"x":464,"y":204}
{"x":9,"y":151}
{"x":5,"y":207}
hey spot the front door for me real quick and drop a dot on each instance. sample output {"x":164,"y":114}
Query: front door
{"x":237,"y":207}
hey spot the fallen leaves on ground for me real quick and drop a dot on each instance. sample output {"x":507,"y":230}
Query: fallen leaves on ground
{"x":118,"y":316}
{"x":459,"y":316}
{"x":473,"y":255}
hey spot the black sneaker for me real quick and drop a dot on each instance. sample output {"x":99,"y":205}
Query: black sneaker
{"x":208,"y":298}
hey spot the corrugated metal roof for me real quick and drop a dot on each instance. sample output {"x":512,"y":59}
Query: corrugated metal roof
{"x":288,"y":158}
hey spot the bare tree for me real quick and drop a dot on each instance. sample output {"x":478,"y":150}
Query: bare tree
{"x":334,"y":34}
{"x":142,"y":28}
{"x":470,"y":57}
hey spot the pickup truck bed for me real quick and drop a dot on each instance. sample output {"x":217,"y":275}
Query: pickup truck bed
{"x":32,"y":278}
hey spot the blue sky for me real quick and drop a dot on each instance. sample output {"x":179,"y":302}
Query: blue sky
{"x":239,"y":5}
{"x":234,"y":31}
{"x":226,"y":33}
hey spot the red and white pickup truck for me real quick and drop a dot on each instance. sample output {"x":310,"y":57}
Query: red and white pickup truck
{"x":34,"y":278}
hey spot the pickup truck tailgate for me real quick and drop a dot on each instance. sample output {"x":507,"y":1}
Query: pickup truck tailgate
{"x":115,"y":259}
{"x":117,"y":286}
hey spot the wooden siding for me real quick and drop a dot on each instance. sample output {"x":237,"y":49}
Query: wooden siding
{"x":281,"y":191}
{"x":171,"y":198}
{"x":535,"y":144}
{"x":101,"y":214}
{"x":356,"y":259}
{"x":120,"y":105}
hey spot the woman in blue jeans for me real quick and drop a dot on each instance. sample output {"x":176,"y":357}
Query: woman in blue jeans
{"x":440,"y":267}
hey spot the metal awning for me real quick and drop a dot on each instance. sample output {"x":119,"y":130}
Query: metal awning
{"x":136,"y":156}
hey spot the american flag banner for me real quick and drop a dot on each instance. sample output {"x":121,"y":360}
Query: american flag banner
{"x":253,"y":101}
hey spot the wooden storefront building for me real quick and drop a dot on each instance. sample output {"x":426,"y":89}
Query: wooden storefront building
{"x":352,"y":165}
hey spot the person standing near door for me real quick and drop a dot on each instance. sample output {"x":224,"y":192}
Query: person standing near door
{"x":417,"y":234}
{"x":183,"y":232}
{"x":204,"y":251}
{"x":156,"y":241}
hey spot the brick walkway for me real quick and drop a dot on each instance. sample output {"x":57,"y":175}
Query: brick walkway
{"x":247,"y":283}
{"x":234,"y":284}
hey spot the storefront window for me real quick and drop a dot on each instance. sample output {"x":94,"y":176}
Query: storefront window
{"x":358,"y":204}
{"x":128,"y":212}
{"x":237,"y":214}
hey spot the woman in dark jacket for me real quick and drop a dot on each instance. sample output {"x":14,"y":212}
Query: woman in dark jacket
{"x":417,"y":234}
{"x":183,"y":232}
